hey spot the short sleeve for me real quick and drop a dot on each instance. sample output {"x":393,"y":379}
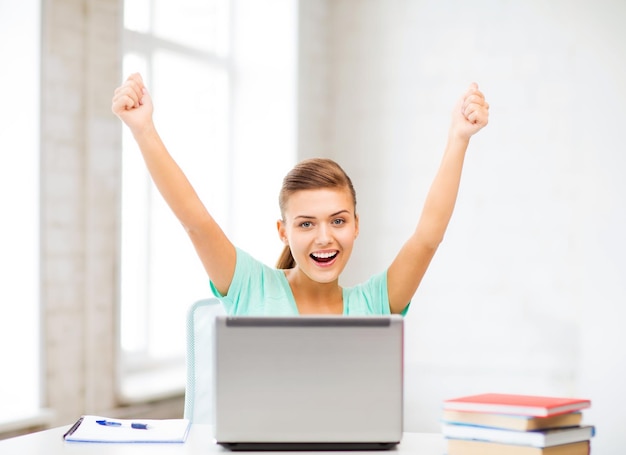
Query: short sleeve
{"x":256,"y":289}
{"x":369,"y":298}
{"x":237,"y":299}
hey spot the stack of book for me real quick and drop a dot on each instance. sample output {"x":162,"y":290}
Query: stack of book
{"x":506,"y":424}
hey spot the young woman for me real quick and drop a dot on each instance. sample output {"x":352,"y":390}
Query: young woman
{"x":318,"y":226}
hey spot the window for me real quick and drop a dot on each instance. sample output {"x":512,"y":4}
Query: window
{"x":222,"y":75}
{"x":181,"y":50}
{"x":19,"y":199}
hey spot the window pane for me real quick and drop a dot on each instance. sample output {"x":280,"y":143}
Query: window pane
{"x":137,"y":15}
{"x":161,"y":274}
{"x":192,"y":114}
{"x":201,"y":24}
{"x":134,"y":251}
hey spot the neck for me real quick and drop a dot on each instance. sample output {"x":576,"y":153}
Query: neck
{"x":313,"y":297}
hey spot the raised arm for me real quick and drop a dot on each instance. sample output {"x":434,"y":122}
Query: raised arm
{"x":133,"y":105}
{"x":470,"y":114}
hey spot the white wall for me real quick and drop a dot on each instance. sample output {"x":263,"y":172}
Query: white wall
{"x":264,"y":117}
{"x":19,"y":198}
{"x":527,"y":294}
{"x":80,"y":184}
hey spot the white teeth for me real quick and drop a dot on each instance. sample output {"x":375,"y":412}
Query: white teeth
{"x":325,"y":255}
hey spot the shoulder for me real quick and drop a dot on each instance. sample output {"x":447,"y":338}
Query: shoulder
{"x":369,"y":297}
{"x":255,"y":287}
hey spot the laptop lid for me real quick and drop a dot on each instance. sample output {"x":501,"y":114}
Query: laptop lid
{"x":308,"y":381}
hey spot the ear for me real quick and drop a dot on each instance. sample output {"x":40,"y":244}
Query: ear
{"x":282,"y":232}
{"x":356,"y":226}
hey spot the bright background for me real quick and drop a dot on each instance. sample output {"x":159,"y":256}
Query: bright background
{"x":527,"y":293}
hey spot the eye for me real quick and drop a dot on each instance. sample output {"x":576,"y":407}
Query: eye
{"x":338,"y":221}
{"x":306,"y":224}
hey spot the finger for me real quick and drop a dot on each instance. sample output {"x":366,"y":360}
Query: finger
{"x":473,"y":98}
{"x":135,"y":83}
{"x":481,"y":106}
{"x":473,"y":88}
{"x":136,"y":90}
{"x":129,"y":96}
{"x":478,"y":117}
{"x":467,"y":109}
{"x":470,"y":114}
{"x":136,"y":77}
{"x":122,"y":103}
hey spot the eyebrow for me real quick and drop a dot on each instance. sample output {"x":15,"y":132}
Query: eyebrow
{"x":309,"y":217}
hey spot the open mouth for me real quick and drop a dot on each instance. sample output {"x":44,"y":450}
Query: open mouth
{"x":324,"y":257}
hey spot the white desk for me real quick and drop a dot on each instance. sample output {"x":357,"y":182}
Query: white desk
{"x":199,"y":441}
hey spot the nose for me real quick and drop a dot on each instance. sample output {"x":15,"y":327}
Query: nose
{"x":323,"y":236}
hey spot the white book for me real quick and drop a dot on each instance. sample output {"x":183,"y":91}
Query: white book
{"x":544,"y":438}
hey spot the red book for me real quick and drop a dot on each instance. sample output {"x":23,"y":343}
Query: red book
{"x":525,"y":405}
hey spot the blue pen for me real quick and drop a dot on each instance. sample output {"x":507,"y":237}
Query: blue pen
{"x":110,"y":423}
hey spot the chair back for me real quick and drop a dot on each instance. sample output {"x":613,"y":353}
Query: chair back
{"x":199,"y":404}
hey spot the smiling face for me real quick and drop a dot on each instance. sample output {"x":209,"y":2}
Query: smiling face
{"x":320,"y":227}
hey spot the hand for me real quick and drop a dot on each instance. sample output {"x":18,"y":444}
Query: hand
{"x":470,"y":114}
{"x":132,"y":103}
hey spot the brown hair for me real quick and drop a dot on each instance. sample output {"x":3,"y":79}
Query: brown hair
{"x":310,"y":174}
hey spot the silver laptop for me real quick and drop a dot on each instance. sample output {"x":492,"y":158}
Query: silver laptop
{"x":308,"y":382}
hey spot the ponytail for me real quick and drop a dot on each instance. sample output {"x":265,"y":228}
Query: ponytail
{"x":286,"y":260}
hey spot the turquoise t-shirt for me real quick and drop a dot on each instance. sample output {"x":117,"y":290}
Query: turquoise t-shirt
{"x":259,"y":290}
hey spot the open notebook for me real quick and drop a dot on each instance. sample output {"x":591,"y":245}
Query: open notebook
{"x":91,"y":428}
